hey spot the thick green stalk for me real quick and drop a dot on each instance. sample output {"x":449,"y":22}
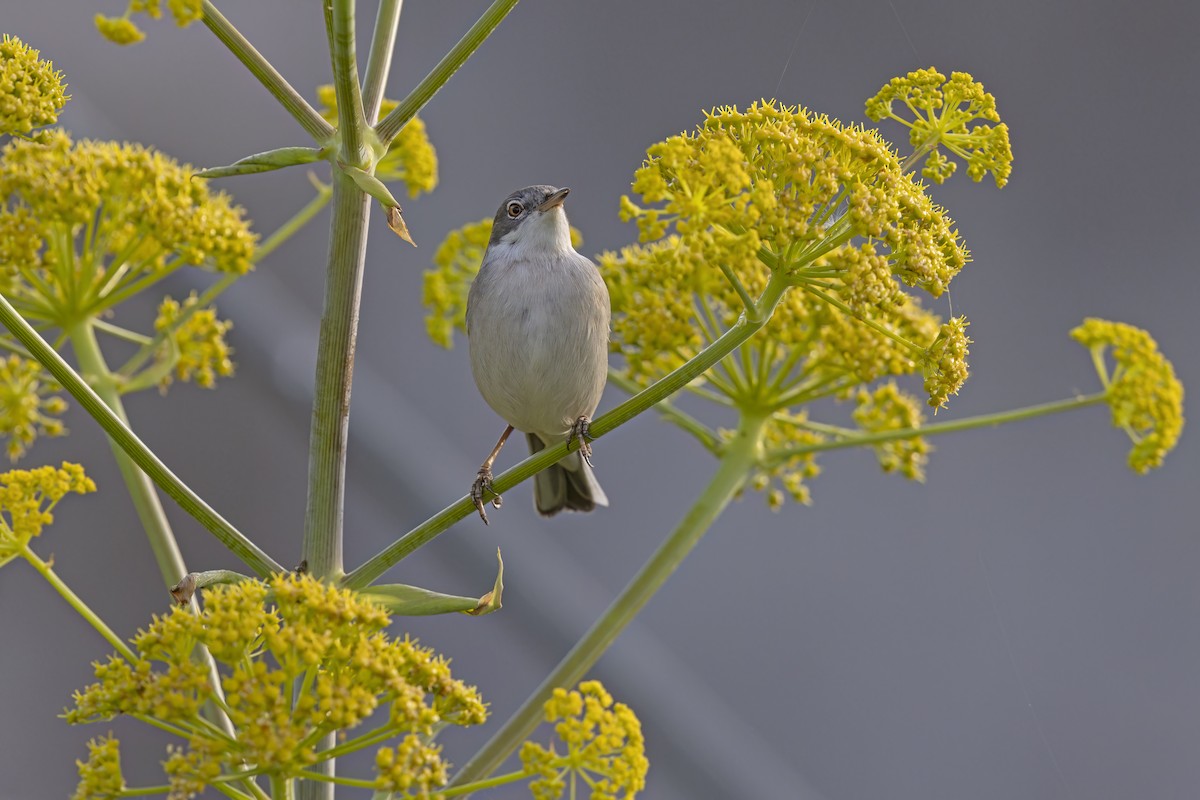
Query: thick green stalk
{"x":141,"y":489}
{"x":951,"y":426}
{"x":390,"y":125}
{"x":268,"y":76}
{"x":344,"y":55}
{"x":740,"y":456}
{"x":335,"y":370}
{"x":746,"y":326}
{"x":119,"y":432}
{"x":47,"y":572}
{"x":379,"y":62}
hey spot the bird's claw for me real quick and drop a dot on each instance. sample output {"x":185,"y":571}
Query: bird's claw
{"x":581,"y":431}
{"x":481,"y":489}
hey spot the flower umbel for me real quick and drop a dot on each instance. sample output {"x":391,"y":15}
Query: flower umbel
{"x":300,"y":658}
{"x":198,"y":339}
{"x":29,"y":404}
{"x":100,"y":776}
{"x":101,"y":221}
{"x":1142,"y":391}
{"x":605,"y":749}
{"x":32,"y":92}
{"x":28,"y":498}
{"x":943,"y":112}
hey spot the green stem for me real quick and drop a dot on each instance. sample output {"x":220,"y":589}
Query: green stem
{"x":965,"y":424}
{"x":684,"y":420}
{"x":335,"y":368}
{"x":282,"y":788}
{"x":351,"y":124}
{"x":872,"y":324}
{"x":47,"y":572}
{"x":490,"y":783}
{"x":379,"y":62}
{"x":141,"y":490}
{"x":739,"y":458}
{"x":119,"y":432}
{"x":746,"y":326}
{"x":437,"y":77}
{"x":289,"y":98}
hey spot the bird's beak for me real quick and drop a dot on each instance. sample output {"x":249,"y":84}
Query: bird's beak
{"x":553,"y":200}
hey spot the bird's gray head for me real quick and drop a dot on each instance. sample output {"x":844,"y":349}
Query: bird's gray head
{"x":533,"y":218}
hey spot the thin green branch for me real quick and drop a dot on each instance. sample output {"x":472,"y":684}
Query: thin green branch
{"x":390,"y":125}
{"x":85,"y":611}
{"x":739,"y":458}
{"x":379,"y":62}
{"x":872,"y":324}
{"x":660,"y":390}
{"x":934,"y":429}
{"x":684,"y":420}
{"x":141,"y":455}
{"x":267,"y":75}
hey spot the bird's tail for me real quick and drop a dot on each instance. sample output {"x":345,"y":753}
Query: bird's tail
{"x":569,"y":484}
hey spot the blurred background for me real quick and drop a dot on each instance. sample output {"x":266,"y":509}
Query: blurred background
{"x":1022,"y":625}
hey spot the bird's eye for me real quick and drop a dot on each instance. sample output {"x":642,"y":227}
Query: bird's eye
{"x":515,"y":209}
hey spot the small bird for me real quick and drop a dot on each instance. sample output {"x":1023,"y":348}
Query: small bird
{"x":537,"y":328}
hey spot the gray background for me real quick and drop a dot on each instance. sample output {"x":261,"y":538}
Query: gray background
{"x":1023,"y":625}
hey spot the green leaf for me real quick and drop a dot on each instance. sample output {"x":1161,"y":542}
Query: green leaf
{"x":265,"y":162}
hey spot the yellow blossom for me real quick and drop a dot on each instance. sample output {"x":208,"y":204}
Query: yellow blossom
{"x":28,"y":498}
{"x":122,"y":30}
{"x":605,"y":749}
{"x":100,"y":221}
{"x":32,"y":92}
{"x":943,"y":112}
{"x":1141,"y":389}
{"x":29,"y":404}
{"x":199,"y":341}
{"x":887,"y":408}
{"x":411,"y":157}
{"x":412,"y":764}
{"x":299,"y":658}
{"x":100,"y":776}
{"x":944,"y":363}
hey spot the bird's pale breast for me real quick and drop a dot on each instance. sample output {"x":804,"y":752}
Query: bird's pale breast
{"x":538,"y":337}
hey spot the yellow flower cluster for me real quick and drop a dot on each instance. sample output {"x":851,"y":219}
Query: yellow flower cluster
{"x":29,"y":404}
{"x":301,"y":658}
{"x":944,"y":363}
{"x":28,"y":498}
{"x":413,"y":763}
{"x":943,"y":112}
{"x":1142,"y":391}
{"x":100,"y":776}
{"x":887,"y":408}
{"x":445,"y":288}
{"x":32,"y":92}
{"x":122,"y":30}
{"x":605,"y":748}
{"x":411,"y":157}
{"x":778,"y":186}
{"x":199,"y":340}
{"x":96,"y":222}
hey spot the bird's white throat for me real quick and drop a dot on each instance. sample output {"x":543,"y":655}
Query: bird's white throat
{"x":543,"y":233}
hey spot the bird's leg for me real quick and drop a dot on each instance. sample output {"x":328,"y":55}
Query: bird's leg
{"x":482,"y":487}
{"x":580,"y":431}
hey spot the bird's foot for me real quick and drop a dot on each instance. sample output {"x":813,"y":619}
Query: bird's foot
{"x":580,"y":430}
{"x":481,"y":489}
